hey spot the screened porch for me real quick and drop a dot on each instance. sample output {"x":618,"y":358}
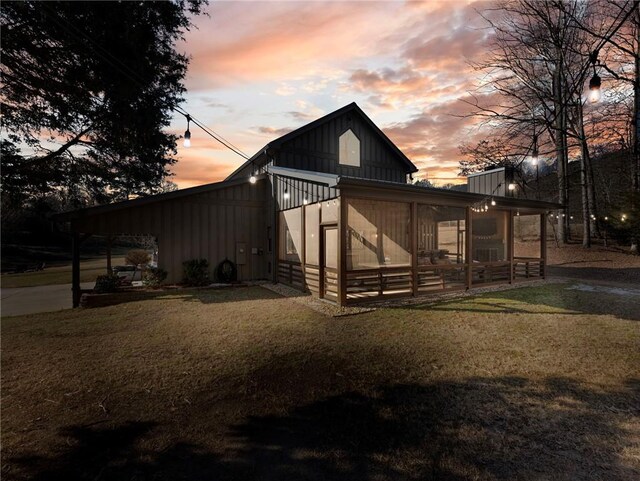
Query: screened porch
{"x":353,"y":249}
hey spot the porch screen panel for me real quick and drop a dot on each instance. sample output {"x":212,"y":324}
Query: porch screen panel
{"x":378,"y":234}
{"x":329,"y":211}
{"x":489,"y":236}
{"x":527,"y":247}
{"x":290,"y":238}
{"x":312,"y":234}
{"x":441,"y":234}
{"x":526,"y":231}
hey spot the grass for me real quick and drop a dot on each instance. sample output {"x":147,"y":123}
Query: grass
{"x":532,"y":383}
{"x":60,"y":274}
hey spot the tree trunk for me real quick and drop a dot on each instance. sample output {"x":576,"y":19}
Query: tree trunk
{"x":635,"y":122}
{"x":587,"y":177}
{"x":586,"y":217}
{"x":561,"y":143}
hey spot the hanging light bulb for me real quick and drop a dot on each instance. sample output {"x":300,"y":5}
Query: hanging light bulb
{"x":305,"y":201}
{"x":286,"y":193}
{"x":534,"y":153}
{"x":493,"y":202}
{"x":512,"y":186}
{"x":595,"y":82}
{"x":187,"y":134}
{"x":594,"y":88}
{"x":518,"y":212}
{"x":486,"y":207}
{"x":253,"y":177}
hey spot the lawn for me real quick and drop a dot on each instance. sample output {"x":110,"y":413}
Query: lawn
{"x":535,"y":383}
{"x":60,"y":274}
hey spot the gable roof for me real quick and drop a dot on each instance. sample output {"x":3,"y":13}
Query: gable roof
{"x":352,"y":107}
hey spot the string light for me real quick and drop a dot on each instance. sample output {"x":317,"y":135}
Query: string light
{"x":595,"y":82}
{"x":286,"y":192}
{"x":493,"y":202}
{"x":511,"y":186}
{"x":187,"y":134}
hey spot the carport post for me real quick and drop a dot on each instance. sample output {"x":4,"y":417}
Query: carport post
{"x":109,"y":269}
{"x":75,"y":268}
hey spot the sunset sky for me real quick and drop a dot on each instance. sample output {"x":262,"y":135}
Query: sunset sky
{"x":261,"y":69}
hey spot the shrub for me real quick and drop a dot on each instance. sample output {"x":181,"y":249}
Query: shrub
{"x":196,"y":272}
{"x":154,"y":277}
{"x":137,"y":257}
{"x":107,"y":283}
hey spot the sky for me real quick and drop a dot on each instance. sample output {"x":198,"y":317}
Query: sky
{"x":261,"y":69}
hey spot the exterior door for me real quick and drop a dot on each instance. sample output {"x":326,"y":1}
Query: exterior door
{"x":329,"y":263}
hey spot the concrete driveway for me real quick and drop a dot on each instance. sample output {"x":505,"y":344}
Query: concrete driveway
{"x":31,"y":300}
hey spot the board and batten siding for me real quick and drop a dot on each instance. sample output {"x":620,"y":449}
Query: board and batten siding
{"x":207,"y":225}
{"x":317,"y":150}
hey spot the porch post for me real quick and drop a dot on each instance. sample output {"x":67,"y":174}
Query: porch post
{"x":303,"y":254}
{"x":414,"y":247}
{"x":543,"y":244}
{"x":468,"y":247}
{"x":510,"y":244}
{"x":75,"y":268}
{"x":275,"y":230}
{"x":342,"y":251}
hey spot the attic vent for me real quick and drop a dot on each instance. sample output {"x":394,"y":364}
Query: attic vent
{"x":349,"y":152}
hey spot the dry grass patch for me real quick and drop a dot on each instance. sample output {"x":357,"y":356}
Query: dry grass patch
{"x":537,"y":383}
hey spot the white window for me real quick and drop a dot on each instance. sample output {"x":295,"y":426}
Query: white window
{"x":349,"y":153}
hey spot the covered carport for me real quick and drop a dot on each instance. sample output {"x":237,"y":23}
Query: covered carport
{"x":218,"y":221}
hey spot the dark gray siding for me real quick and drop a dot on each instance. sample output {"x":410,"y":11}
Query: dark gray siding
{"x":488,"y":183}
{"x":207,"y":225}
{"x":317,"y":150}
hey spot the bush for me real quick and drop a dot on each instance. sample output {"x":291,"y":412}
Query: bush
{"x":196,"y":272}
{"x":137,"y":257}
{"x":154,"y":277}
{"x":107,"y":283}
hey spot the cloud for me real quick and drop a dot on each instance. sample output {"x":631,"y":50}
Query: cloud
{"x":242,"y":42}
{"x":274,"y":132}
{"x":271,"y":64}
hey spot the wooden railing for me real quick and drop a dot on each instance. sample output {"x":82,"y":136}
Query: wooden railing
{"x":290,"y":272}
{"x":489,"y":272}
{"x":330,"y":283}
{"x":384,"y":282}
{"x":527,"y":267}
{"x":312,"y":278}
{"x":441,"y":277}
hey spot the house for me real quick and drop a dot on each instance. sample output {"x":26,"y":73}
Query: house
{"x":329,"y":208}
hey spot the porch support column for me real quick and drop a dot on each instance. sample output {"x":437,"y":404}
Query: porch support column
{"x":543,"y":244}
{"x":342,"y":252}
{"x":275,"y":229}
{"x":414,"y":247}
{"x":468,"y":246}
{"x":510,"y":244}
{"x":75,"y":268}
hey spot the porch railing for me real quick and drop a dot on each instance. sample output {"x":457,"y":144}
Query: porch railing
{"x":386,"y":282}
